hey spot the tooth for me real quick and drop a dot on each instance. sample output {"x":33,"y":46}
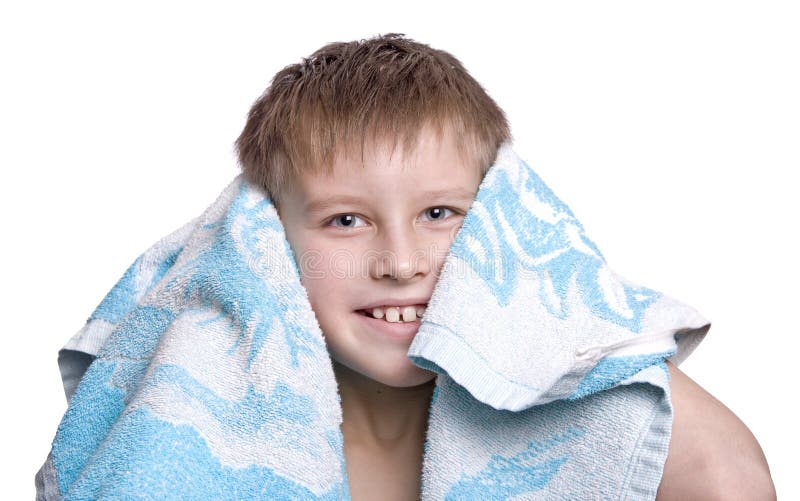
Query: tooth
{"x":409,"y":314}
{"x":377,"y":312}
{"x":392,"y":315}
{"x":420,"y":312}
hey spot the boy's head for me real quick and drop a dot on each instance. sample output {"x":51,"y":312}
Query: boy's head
{"x":373,"y":152}
{"x":351,"y":95}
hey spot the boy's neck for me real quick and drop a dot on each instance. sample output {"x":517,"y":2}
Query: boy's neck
{"x":377,"y":415}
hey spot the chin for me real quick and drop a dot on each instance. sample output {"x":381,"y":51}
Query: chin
{"x":406,"y":378}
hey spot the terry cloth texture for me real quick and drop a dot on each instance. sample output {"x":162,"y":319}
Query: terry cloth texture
{"x":203,"y":374}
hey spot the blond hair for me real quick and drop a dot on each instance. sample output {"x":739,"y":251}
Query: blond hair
{"x":387,"y":88}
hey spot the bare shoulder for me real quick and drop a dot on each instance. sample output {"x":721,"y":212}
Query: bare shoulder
{"x":712,"y":454}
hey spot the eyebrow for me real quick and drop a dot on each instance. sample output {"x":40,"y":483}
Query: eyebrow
{"x":321,"y":205}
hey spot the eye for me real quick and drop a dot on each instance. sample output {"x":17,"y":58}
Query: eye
{"x":344,"y":221}
{"x":438,"y":213}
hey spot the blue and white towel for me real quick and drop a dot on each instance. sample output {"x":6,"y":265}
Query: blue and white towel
{"x":203,"y":374}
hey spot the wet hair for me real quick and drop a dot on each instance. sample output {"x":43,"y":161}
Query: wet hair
{"x":352,"y":94}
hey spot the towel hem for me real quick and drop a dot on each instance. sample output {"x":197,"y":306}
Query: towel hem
{"x":646,"y":467}
{"x":468,"y":369}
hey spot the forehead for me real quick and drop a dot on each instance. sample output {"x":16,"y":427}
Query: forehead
{"x":434,"y":169}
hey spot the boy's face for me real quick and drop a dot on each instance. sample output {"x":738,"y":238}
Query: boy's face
{"x":377,"y":235}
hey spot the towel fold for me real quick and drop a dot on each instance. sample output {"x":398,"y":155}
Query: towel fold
{"x":204,"y":374}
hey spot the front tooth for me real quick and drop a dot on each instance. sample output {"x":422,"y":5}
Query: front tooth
{"x":392,"y":315}
{"x":377,"y":312}
{"x":409,"y":314}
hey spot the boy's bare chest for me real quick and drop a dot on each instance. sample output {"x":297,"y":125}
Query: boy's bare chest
{"x":384,"y":475}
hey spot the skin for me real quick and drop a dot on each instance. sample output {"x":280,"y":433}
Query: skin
{"x":391,"y":241}
{"x":395,"y":247}
{"x":712,"y":454}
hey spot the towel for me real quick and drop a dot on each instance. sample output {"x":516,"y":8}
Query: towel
{"x":203,"y":373}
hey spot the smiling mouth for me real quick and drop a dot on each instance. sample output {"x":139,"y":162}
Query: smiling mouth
{"x":394,"y":314}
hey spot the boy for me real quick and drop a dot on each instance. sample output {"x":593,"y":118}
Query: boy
{"x":372,"y":152}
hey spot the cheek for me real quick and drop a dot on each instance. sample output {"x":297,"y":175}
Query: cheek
{"x":441,"y":249}
{"x":325,"y":276}
{"x":312,"y":259}
{"x":323,"y":295}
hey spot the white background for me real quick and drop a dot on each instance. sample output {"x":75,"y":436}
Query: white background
{"x":671,"y":130}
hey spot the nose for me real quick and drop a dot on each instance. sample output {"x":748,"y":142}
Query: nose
{"x":399,"y":254}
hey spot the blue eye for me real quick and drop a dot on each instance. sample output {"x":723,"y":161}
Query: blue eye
{"x":437,"y":213}
{"x":344,"y":221}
